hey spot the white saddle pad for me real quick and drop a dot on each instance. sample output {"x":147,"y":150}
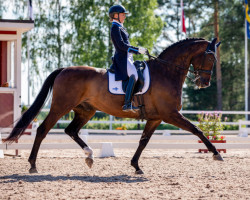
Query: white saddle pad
{"x":115,"y":87}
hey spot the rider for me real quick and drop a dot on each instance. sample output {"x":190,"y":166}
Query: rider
{"x":123,"y":58}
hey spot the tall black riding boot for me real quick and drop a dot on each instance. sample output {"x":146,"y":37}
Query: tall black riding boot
{"x":128,"y":107}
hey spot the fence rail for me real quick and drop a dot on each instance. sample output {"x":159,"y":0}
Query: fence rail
{"x":127,"y":146}
{"x":194,"y":112}
{"x":128,"y":142}
{"x":112,"y":121}
{"x":125,"y":140}
{"x":127,"y":132}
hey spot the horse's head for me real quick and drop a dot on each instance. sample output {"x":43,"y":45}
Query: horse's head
{"x":203,"y":64}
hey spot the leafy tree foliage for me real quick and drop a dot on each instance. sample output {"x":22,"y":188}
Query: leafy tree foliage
{"x":91,"y":35}
{"x":76,"y":32}
{"x":200,"y":23}
{"x":232,"y":60}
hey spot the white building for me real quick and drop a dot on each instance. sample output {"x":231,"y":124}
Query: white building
{"x":10,"y":68}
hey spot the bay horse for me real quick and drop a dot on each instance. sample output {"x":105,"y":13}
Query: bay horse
{"x":84,"y":90}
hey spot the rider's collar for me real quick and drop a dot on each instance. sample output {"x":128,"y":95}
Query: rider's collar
{"x":115,"y":21}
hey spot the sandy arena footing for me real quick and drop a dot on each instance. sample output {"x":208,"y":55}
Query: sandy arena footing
{"x":169,"y":174}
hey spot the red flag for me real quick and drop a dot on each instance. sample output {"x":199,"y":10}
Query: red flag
{"x":183,"y":27}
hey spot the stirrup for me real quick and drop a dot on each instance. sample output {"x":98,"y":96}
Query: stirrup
{"x":129,"y":108}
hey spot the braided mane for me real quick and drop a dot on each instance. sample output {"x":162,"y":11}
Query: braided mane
{"x":179,"y":43}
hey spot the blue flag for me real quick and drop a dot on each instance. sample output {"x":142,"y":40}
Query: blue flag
{"x":248,"y":30}
{"x":247,"y":19}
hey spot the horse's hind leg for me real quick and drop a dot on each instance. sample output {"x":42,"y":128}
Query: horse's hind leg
{"x":83,"y":113}
{"x":149,"y":129}
{"x":42,"y":131}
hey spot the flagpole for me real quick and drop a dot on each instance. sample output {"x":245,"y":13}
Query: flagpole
{"x":28,"y":52}
{"x":183,"y":27}
{"x":246,"y":73}
{"x":181,"y":18}
{"x":30,"y":17}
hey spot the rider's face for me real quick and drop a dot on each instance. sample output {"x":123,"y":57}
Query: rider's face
{"x":122,"y":17}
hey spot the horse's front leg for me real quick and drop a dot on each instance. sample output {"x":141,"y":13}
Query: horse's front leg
{"x":180,"y":121}
{"x":149,"y":129}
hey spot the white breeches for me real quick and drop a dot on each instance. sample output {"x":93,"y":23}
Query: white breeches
{"x":131,"y":67}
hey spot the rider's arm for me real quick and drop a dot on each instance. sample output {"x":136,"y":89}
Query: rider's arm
{"x":117,"y":37}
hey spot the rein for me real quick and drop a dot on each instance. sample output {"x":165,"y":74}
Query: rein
{"x":166,"y":62}
{"x":195,"y":72}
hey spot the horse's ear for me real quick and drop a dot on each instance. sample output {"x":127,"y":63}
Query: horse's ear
{"x":212,"y":45}
{"x":213,"y":41}
{"x":218,"y":44}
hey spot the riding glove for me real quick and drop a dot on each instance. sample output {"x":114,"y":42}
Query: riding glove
{"x":142,"y":50}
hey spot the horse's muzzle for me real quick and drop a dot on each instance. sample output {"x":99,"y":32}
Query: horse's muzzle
{"x":206,"y":84}
{"x":202,"y":83}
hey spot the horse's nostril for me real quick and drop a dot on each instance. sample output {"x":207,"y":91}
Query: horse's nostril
{"x":207,"y":83}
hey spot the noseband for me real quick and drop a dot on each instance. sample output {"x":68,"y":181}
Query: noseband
{"x":195,"y":72}
{"x":200,"y":70}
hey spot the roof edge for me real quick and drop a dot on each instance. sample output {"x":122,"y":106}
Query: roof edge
{"x":17,"y":21}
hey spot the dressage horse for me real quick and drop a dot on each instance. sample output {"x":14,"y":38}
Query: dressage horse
{"x":84,"y":90}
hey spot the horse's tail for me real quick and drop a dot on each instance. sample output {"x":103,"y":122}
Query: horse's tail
{"x":34,"y":109}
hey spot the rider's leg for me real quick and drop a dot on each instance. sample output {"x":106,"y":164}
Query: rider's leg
{"x":133,"y":77}
{"x":131,"y":70}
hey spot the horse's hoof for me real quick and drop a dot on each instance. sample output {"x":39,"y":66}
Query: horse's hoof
{"x":218,"y":157}
{"x":139,"y":172}
{"x":33,"y":171}
{"x":89,"y":162}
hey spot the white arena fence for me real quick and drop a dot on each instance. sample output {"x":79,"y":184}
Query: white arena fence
{"x":126,"y":139}
{"x":111,"y":120}
{"x":106,"y":143}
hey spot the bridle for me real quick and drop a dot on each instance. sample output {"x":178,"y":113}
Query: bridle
{"x":196,"y":72}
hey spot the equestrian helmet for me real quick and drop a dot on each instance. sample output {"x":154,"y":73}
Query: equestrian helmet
{"x":117,"y":9}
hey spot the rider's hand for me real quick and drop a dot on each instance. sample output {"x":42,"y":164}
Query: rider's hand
{"x":142,"y":50}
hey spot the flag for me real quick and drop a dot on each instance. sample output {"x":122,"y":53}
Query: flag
{"x":246,"y":13}
{"x":248,"y":30}
{"x":30,"y":9}
{"x":247,"y":19}
{"x":183,"y":27}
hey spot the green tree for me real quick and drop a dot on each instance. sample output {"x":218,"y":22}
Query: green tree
{"x":75,"y":32}
{"x":200,"y":23}
{"x":170,"y":12}
{"x":232,"y":60}
{"x":47,"y":49}
{"x":91,"y":29}
{"x":2,"y":8}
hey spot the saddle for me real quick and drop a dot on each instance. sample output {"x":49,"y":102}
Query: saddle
{"x":140,"y":66}
{"x":141,"y":85}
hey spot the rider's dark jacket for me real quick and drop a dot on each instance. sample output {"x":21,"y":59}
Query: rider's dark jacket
{"x":120,"y":39}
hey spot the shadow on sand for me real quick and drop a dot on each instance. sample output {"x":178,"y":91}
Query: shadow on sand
{"x":92,"y":179}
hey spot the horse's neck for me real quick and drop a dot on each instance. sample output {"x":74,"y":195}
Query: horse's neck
{"x":179,"y":63}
